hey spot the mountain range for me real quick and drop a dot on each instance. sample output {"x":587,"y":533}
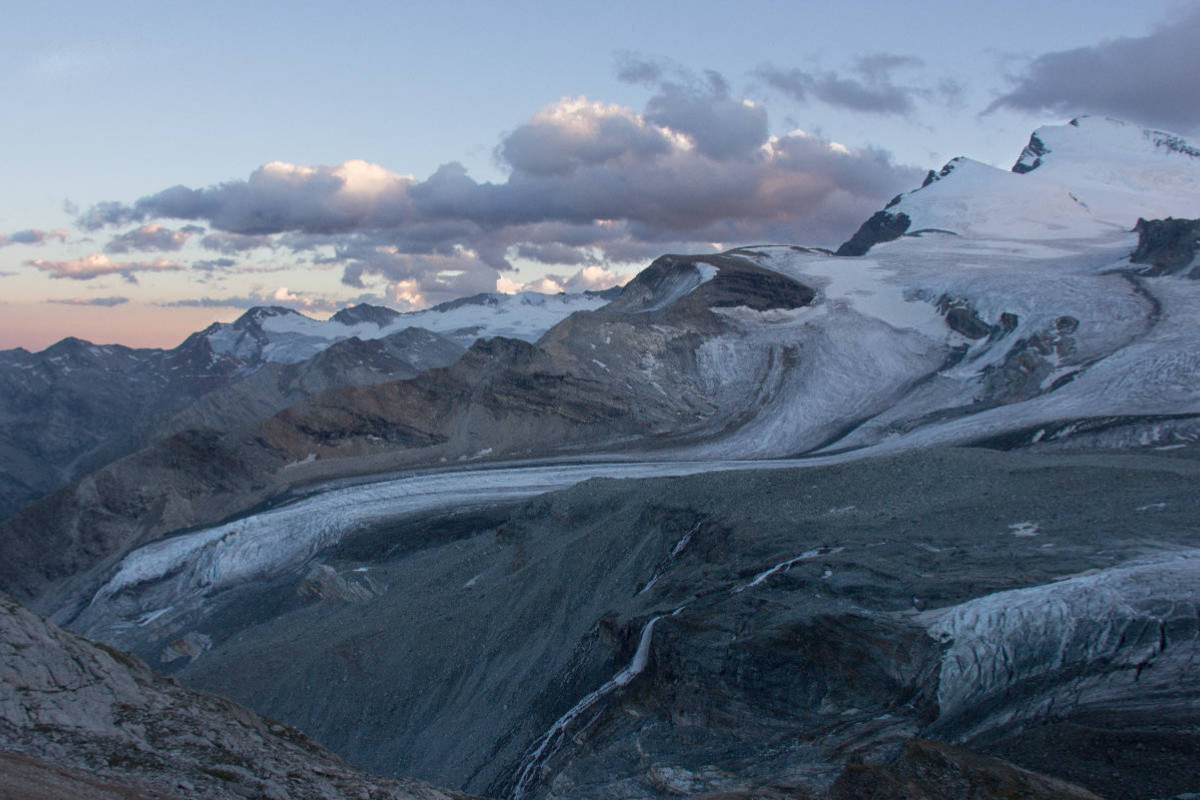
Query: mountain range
{"x":756,"y":516}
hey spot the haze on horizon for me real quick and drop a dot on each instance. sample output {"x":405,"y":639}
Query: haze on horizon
{"x":169,"y":167}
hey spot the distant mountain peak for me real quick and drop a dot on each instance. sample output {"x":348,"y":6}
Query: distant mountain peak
{"x":1089,"y":137}
{"x":257,"y":314}
{"x":365,"y":312}
{"x":481,"y":299}
{"x":1084,"y":179}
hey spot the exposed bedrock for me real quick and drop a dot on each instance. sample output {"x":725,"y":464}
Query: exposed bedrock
{"x":82,"y":720}
{"x":1168,"y":246}
{"x":883,"y":226}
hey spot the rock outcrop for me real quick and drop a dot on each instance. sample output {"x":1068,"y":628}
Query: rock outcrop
{"x":82,"y":720}
{"x":1168,"y":247}
{"x":929,"y":770}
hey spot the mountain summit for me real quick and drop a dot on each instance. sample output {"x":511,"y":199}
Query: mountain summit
{"x":1071,"y":181}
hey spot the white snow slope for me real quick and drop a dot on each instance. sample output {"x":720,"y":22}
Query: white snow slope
{"x":877,"y":364}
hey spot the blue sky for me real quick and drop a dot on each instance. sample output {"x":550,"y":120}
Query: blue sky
{"x":585,"y":140}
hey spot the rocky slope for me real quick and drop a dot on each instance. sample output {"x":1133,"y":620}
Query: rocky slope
{"x":732,"y":631}
{"x":349,"y":362}
{"x":74,"y":407}
{"x":81,"y":720}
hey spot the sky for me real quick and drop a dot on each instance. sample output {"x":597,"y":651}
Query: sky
{"x":164,"y":166}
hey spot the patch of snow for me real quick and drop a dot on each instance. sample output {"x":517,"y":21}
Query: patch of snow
{"x":308,"y":459}
{"x":1023,"y":529}
{"x":785,"y":565}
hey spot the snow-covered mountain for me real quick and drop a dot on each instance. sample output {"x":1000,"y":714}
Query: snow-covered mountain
{"x":75,"y":406}
{"x":1084,"y":180}
{"x":278,"y":335}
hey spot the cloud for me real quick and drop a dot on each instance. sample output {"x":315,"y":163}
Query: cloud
{"x":233,"y":243}
{"x":152,"y":237}
{"x":576,"y":133}
{"x":97,"y":265}
{"x":282,"y":296}
{"x":593,"y":278}
{"x":277,"y":197}
{"x":214,"y":264}
{"x":634,"y":68}
{"x":873,"y":90}
{"x":721,"y":126}
{"x":589,"y":184}
{"x":107,"y":302}
{"x":32,"y":236}
{"x":1154,"y":79}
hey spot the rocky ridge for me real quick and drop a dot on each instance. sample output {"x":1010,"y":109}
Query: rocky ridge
{"x":75,"y":716}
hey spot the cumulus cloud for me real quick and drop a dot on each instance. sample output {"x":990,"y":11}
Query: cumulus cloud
{"x":32,"y":236}
{"x":277,"y":197}
{"x":589,"y":184}
{"x":106,"y":302}
{"x":98,"y":265}
{"x":869,"y":87}
{"x":594,"y":278}
{"x":577,"y":133}
{"x":1154,"y":79}
{"x":721,"y":126}
{"x":152,"y":237}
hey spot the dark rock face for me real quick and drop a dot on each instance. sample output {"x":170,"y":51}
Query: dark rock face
{"x":1168,"y":247}
{"x":93,"y":720}
{"x":1031,"y":157}
{"x":929,"y":770}
{"x":883,"y":226}
{"x":1030,"y":362}
{"x":675,"y":281}
{"x":364,"y":312}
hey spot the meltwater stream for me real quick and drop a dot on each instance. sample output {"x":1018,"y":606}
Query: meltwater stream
{"x":549,"y":742}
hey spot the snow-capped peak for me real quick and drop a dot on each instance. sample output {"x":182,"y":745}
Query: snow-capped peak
{"x":1093,"y":139}
{"x":1091,"y":177}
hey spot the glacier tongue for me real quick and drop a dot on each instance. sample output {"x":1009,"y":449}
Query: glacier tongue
{"x":1122,"y":638}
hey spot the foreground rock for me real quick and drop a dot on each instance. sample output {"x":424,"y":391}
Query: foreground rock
{"x":81,"y":720}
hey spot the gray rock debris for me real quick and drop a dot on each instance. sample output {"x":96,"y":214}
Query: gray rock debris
{"x":68,"y":705}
